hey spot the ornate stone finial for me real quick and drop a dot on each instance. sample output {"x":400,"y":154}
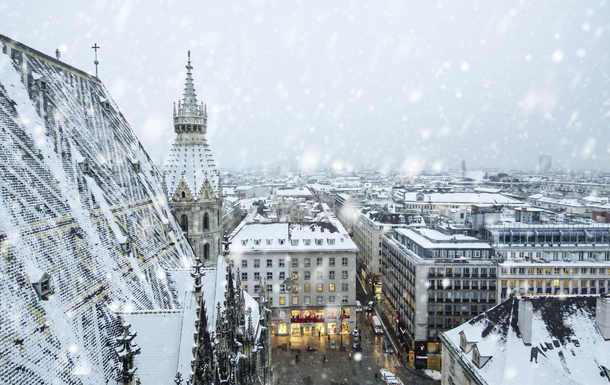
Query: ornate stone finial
{"x":96,"y":62}
{"x":190,"y":116}
{"x":219,"y":187}
{"x":178,"y":379}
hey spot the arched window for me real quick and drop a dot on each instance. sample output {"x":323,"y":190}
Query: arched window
{"x":206,"y":221}
{"x":206,"y":251}
{"x":184,"y":223}
{"x":183,"y":194}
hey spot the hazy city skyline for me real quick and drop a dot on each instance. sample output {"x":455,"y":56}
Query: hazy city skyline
{"x":387,"y":86}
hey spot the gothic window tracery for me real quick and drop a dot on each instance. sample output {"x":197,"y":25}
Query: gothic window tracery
{"x":184,"y":222}
{"x":206,"y":251}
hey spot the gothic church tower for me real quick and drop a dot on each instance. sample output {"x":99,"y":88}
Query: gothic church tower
{"x":191,"y":178}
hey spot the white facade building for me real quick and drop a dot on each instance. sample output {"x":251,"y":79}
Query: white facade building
{"x":307,"y":269}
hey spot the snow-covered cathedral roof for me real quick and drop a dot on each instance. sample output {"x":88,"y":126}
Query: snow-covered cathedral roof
{"x":77,"y":189}
{"x":190,"y":162}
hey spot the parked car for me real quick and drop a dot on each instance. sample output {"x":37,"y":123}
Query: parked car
{"x":333,"y":344}
{"x":387,"y":347}
{"x":355,"y":333}
{"x":357,"y":346}
{"x":370,"y":306}
{"x":358,"y":306}
{"x":389,"y":377}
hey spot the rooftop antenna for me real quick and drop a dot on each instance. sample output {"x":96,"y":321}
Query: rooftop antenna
{"x":96,"y":47}
{"x":57,"y":54}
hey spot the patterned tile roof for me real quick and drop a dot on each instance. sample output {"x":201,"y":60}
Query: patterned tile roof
{"x":76,"y":188}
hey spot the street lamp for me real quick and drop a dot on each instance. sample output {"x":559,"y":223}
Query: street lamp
{"x":342,"y":348}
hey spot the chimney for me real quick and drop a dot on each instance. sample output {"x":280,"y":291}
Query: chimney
{"x":525,"y":321}
{"x":602,"y":316}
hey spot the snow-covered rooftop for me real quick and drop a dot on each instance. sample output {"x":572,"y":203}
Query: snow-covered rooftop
{"x":463,"y":198}
{"x":77,"y":187}
{"x":431,"y":239}
{"x":570,"y":347}
{"x":291,"y":237}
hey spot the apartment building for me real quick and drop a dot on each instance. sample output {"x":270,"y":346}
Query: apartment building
{"x":433,"y":283}
{"x":307,"y":269}
{"x":551,"y":259}
{"x":373,"y":222}
{"x":347,"y":208}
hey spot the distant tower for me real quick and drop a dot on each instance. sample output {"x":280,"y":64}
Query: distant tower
{"x":192,"y":181}
{"x":544,"y":163}
{"x":463,"y":170}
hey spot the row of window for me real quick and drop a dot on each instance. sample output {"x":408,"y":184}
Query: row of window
{"x":295,"y":275}
{"x":307,"y":262}
{"x":462,"y":295}
{"x":439,"y":309}
{"x":555,"y":270}
{"x":454,"y":271}
{"x":554,"y":283}
{"x":307,"y":300}
{"x":295,"y":287}
{"x":485,"y":254}
{"x":464,"y":283}
{"x":293,"y":242}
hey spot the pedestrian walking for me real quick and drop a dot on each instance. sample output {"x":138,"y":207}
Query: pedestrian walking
{"x":319,"y":334}
{"x":297,"y":358}
{"x":329,"y":338}
{"x":375,"y":376}
{"x":324,"y":359}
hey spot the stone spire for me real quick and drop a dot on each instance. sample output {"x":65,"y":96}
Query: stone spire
{"x":190,"y":117}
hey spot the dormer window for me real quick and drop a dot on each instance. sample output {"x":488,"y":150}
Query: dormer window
{"x":84,"y":166}
{"x":126,"y":247}
{"x":331,"y":241}
{"x":319,"y":242}
{"x":281,"y":241}
{"x":40,"y":80}
{"x":183,"y":195}
{"x":307,"y":242}
{"x":244,"y":242}
{"x":294,"y":242}
{"x":257,"y":242}
{"x":466,"y":345}
{"x":478,"y":359}
{"x":42,"y":285}
{"x":105,"y":104}
{"x":136,"y":165}
{"x":270,"y":241}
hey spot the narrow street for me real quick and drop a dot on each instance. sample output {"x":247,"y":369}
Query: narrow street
{"x":403,"y":370}
{"x":341,"y":367}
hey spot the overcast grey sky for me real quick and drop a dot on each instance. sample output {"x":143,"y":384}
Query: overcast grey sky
{"x":405,"y":85}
